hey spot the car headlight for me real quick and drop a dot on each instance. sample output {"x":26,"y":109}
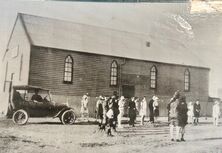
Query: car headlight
{"x":67,"y":104}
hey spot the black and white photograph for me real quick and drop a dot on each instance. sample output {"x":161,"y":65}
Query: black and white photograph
{"x":111,"y":76}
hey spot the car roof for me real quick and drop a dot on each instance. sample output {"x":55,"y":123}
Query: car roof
{"x":28,"y":87}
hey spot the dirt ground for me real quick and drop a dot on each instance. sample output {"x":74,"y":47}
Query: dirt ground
{"x":47,"y":135}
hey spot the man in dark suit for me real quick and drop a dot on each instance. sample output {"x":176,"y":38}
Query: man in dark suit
{"x":36,"y":97}
{"x":151,"y":110}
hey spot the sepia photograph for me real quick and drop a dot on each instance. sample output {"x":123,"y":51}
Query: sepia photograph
{"x":111,"y":76}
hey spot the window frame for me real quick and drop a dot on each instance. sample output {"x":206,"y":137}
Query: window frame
{"x":111,"y":74}
{"x":187,"y":82}
{"x":64,"y":70}
{"x":151,"y":79}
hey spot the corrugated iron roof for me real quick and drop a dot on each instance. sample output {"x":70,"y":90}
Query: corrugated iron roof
{"x":168,"y":35}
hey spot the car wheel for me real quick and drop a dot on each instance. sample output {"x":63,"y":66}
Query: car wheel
{"x":20,"y":117}
{"x":68,"y":117}
{"x":60,"y":118}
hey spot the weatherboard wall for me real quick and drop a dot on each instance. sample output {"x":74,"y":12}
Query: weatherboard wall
{"x":92,"y":75}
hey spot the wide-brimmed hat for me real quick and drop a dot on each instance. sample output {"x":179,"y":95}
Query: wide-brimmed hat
{"x":217,"y":102}
{"x":155,"y":98}
{"x":122,"y":97}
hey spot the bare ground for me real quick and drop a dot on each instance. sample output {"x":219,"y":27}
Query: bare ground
{"x":49,"y":136}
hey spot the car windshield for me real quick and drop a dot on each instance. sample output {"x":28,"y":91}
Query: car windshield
{"x":32,"y":95}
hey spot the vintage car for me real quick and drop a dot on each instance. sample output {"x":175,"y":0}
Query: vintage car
{"x":33,"y":101}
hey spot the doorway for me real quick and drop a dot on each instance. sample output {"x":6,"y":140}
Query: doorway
{"x":128,"y":91}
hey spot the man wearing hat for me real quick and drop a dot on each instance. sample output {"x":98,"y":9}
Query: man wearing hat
{"x":151,"y":110}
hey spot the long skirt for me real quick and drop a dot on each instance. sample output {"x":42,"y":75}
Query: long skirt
{"x":156,"y":112}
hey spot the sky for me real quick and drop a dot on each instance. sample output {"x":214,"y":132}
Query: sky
{"x":205,"y":21}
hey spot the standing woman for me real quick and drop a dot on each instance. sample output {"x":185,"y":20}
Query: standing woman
{"x":175,"y":96}
{"x":84,"y":106}
{"x":99,"y":109}
{"x":121,"y":104}
{"x":216,"y":113}
{"x":173,"y":116}
{"x":196,"y":111}
{"x":137,"y":102}
{"x":156,"y":108}
{"x":143,"y":110}
{"x":132,"y":111}
{"x":190,"y":112}
{"x":182,"y":116}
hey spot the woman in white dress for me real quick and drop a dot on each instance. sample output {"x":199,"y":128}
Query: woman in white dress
{"x":190,"y":113}
{"x":84,"y":106}
{"x":143,"y":110}
{"x":121,"y":104}
{"x":216,"y":113}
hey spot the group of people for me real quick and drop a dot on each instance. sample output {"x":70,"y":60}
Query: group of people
{"x":110,"y":111}
{"x":107,"y":110}
{"x":180,"y":114}
{"x":194,"y":112}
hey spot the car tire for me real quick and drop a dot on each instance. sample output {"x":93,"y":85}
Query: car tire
{"x":60,"y":118}
{"x":20,"y":117}
{"x":68,"y":117}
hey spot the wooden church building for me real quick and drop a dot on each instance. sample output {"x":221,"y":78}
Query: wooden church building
{"x":72,"y":59}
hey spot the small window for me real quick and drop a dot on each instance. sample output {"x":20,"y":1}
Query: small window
{"x":114,"y":73}
{"x":68,"y":70}
{"x":186,"y":80}
{"x":147,"y":44}
{"x":153,"y":77}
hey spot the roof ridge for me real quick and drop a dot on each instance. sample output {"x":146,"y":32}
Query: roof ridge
{"x":68,"y":21}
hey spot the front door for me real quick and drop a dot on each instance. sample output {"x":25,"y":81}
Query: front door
{"x":128,"y":91}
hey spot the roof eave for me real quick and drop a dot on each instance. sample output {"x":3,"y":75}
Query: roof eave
{"x":19,"y":17}
{"x":84,"y":52}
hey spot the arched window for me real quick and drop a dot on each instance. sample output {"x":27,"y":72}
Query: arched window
{"x":114,"y":73}
{"x":187,"y":80}
{"x":68,"y":70}
{"x":153,"y":77}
